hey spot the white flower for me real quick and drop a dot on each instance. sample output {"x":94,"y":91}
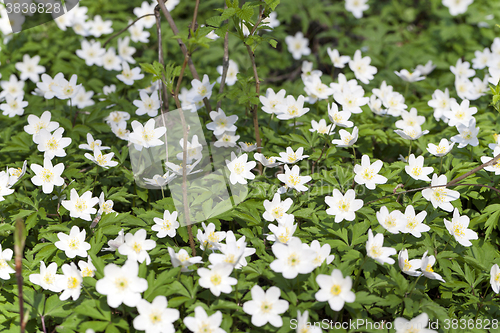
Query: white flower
{"x":29,"y":68}
{"x":351,"y":99}
{"x":98,"y":27}
{"x":467,"y":134}
{"x":298,"y":45}
{"x":47,"y":277}
{"x":82,"y":206}
{"x":232,"y":71}
{"x":13,"y":106}
{"x":5,"y":269}
{"x":284,"y":231}
{"x":146,"y":136}
{"x":73,"y":244}
{"x":344,"y":84}
{"x":335,"y":289}
{"x":338,"y":118}
{"x":495,"y":167}
{"x":291,"y":108}
{"x":410,"y":119}
{"x":114,"y":244}
{"x":233,"y":252}
{"x":458,"y":228}
{"x":268,"y":162}
{"x":337,"y":60}
{"x":292,"y":259}
{"x":409,"y":267}
{"x":166,"y":226}
{"x":5,"y":185}
{"x":15,"y":174}
{"x":105,"y":206}
{"x":183,"y":259}
{"x":276,"y":209}
{"x":202,"y":89}
{"x":125,"y":51}
{"x":87,"y":268}
{"x":121,"y":284}
{"x":495,"y":278}
{"x":155,"y":317}
{"x":136,"y":245}
{"x":361,"y":66}
{"x":210,"y":239}
{"x":394,"y":102}
{"x":82,"y":98}
{"x":343,"y":206}
{"x":159,"y":180}
{"x":111,"y":61}
{"x":417,"y":324}
{"x":407,"y":76}
{"x":202,"y":323}
{"x":248,"y":147}
{"x":321,"y":127}
{"x":66,"y":89}
{"x":128,"y":76}
{"x":13,"y":87}
{"x":460,"y":114}
{"x":375,"y":249}
{"x":271,"y":20}
{"x":48,"y":175}
{"x":346,"y":139}
{"x":292,"y":178}
{"x":440,"y":150}
{"x":411,"y":133}
{"x":147,"y":104}
{"x":228,"y":139}
{"x":240,"y":169}
{"x":100,"y":159}
{"x":316,"y":90}
{"x":390,"y":221}
{"x":221,"y":123}
{"x":91,"y":144}
{"x":272,"y":100}
{"x":416,"y":170}
{"x":322,"y":252}
{"x":291,"y":157}
{"x":356,"y":7}
{"x":146,"y":8}
{"x":412,"y":223}
{"x":217,"y":279}
{"x":426,"y":267}
{"x":462,"y":69}
{"x":383,"y":91}
{"x":440,"y":196}
{"x":137,"y":33}
{"x":266,"y":307}
{"x":440,"y":102}
{"x":117,"y":118}
{"x":70,"y":282}
{"x":481,"y":59}
{"x":51,"y":144}
{"x":45,"y":87}
{"x":426,"y":69}
{"x":367,"y":173}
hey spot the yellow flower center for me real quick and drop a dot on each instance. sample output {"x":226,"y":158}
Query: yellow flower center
{"x":429,"y":268}
{"x":81,"y":205}
{"x":368,"y":173}
{"x":230,"y":258}
{"x":52,"y":144}
{"x":412,"y":223}
{"x":73,"y":282}
{"x":277,"y":212}
{"x":137,"y":247}
{"x":344,"y":205}
{"x":87,"y":272}
{"x":407,"y":266}
{"x":292,"y":157}
{"x":285,"y":236}
{"x":155,"y":317}
{"x":294,"y":179}
{"x":375,"y":251}
{"x":216,"y":279}
{"x":266,"y":307}
{"x":239,"y":168}
{"x":441,"y":149}
{"x":121,"y":283}
{"x":3,"y":264}
{"x":293,"y":260}
{"x":458,"y":230}
{"x":439,"y":194}
{"x":335,"y":290}
{"x":49,"y":278}
{"x":74,"y":244}
{"x":390,"y":221}
{"x":417,"y":171}
{"x":293,"y":110}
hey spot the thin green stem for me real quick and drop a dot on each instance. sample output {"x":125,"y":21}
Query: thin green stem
{"x":356,"y":280}
{"x":409,"y":151}
{"x":414,"y":285}
{"x":441,"y":165}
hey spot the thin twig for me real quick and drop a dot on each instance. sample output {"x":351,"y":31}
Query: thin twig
{"x":124,"y":29}
{"x":163,"y":87}
{"x":183,"y":47}
{"x":225,"y":64}
{"x":476,"y":169}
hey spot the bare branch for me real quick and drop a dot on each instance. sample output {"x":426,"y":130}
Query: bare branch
{"x":124,"y":29}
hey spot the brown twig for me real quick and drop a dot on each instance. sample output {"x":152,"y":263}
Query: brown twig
{"x":183,"y":47}
{"x":225,"y":64}
{"x":163,"y":87}
{"x":476,"y":169}
{"x":124,"y":29}
{"x":290,"y":76}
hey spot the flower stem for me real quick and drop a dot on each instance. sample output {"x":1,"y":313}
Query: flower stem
{"x":414,"y":285}
{"x":441,"y":165}
{"x":409,"y":151}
